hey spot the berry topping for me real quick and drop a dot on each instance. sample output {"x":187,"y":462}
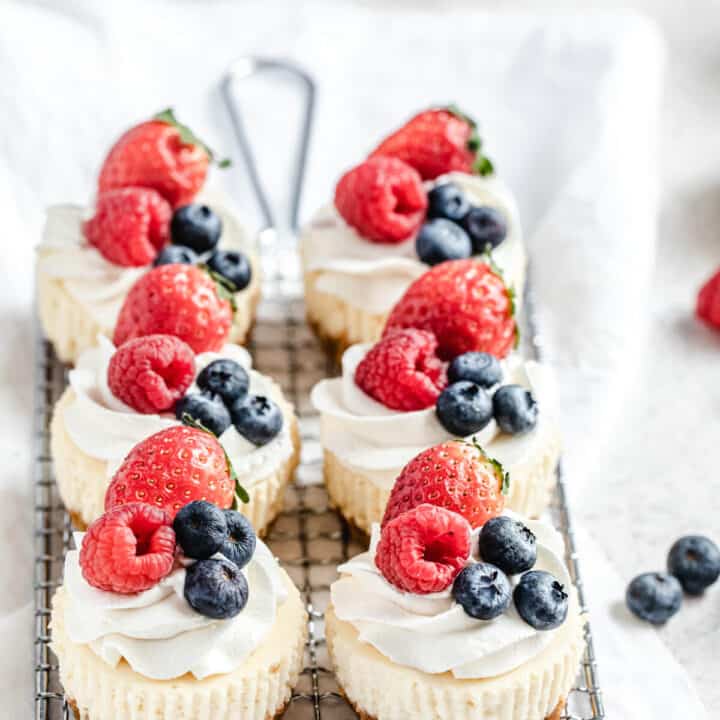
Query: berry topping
{"x":176,"y":255}
{"x":200,"y":528}
{"x":440,"y":240}
{"x":179,"y":300}
{"x":695,"y":561}
{"x":436,"y":142}
{"x":216,"y":588}
{"x":483,"y":590}
{"x":708,"y":302}
{"x":447,"y":201}
{"x":486,"y":227}
{"x":128,"y":549}
{"x":151,"y":373}
{"x":172,"y":468}
{"x":508,"y":544}
{"x":233,"y":267}
{"x":383,"y":199}
{"x":225,"y":378}
{"x":257,"y":418}
{"x":654,"y":597}
{"x":515,"y":409}
{"x":130,"y":226}
{"x":196,"y":227}
{"x":204,"y":409}
{"x":464,"y":303}
{"x":478,"y":367}
{"x":240,"y":541}
{"x":541,"y":600}
{"x":464,"y":408}
{"x":402,"y":371}
{"x":455,"y":475}
{"x":422,"y":550}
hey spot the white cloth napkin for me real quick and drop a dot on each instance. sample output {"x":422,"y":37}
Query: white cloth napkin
{"x":569,"y":110}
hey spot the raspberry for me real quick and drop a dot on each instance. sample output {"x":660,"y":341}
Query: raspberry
{"x":130,"y":226}
{"x":128,"y":549}
{"x":151,"y":373}
{"x":402,"y":371}
{"x":383,"y":199}
{"x":465,"y":303}
{"x":708,"y":302}
{"x":422,"y":550}
{"x":455,"y":475}
{"x":179,"y":300}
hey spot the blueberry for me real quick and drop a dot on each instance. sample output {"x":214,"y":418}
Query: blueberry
{"x":196,"y":227}
{"x":464,"y":408}
{"x":175,"y":255}
{"x":541,"y":600}
{"x":233,"y":266}
{"x":447,"y":201}
{"x":225,"y":378}
{"x":478,"y":367}
{"x":695,"y":561}
{"x":654,"y":597}
{"x":200,"y":528}
{"x":515,"y":409}
{"x":440,"y":240}
{"x":240,"y":541}
{"x":483,"y":590}
{"x":486,"y":227}
{"x":216,"y":588}
{"x":508,"y":544}
{"x":205,"y":408}
{"x":257,"y":418}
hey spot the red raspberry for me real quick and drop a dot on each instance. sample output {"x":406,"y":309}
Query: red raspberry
{"x":422,"y":550}
{"x":130,"y":226}
{"x":179,"y":300}
{"x":436,"y":142}
{"x":383,"y":199}
{"x":402,"y":371}
{"x":465,"y":303}
{"x":708,"y":302}
{"x":151,"y":373}
{"x":171,"y":469}
{"x":128,"y":549}
{"x":456,"y":475}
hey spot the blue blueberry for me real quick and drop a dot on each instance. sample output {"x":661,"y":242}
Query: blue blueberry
{"x":216,"y":588}
{"x":175,"y":255}
{"x":447,"y":201}
{"x":654,"y":597}
{"x":508,"y":544}
{"x":515,"y":409}
{"x":201,"y":529}
{"x":225,"y":378}
{"x":541,"y":600}
{"x":483,"y":590}
{"x":464,"y":408}
{"x":239,"y":543}
{"x":479,"y":367}
{"x":205,"y":408}
{"x":196,"y":227}
{"x":257,"y":418}
{"x":695,"y":561}
{"x":440,"y":240}
{"x":233,"y":266}
{"x":486,"y":227}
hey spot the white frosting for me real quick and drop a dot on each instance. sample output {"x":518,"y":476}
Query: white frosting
{"x":374,"y":276}
{"x":106,"y":429}
{"x":159,"y":634}
{"x":432,"y":633}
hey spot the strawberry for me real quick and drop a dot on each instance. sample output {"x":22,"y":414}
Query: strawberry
{"x":456,"y":475}
{"x":180,"y":300}
{"x":438,"y":141}
{"x":465,"y":303}
{"x":708,"y":302}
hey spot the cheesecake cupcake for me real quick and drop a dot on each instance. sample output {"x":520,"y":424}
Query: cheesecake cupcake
{"x":150,"y":209}
{"x":459,"y":609}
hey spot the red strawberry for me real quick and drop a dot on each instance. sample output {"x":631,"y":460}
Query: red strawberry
{"x":171,"y":469}
{"x":130,"y":225}
{"x":456,"y":475}
{"x":465,"y":303}
{"x":708,"y":302}
{"x":151,"y":373}
{"x":128,"y":549}
{"x":436,"y":142}
{"x":383,"y":199}
{"x":179,"y":300}
{"x":402,"y":371}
